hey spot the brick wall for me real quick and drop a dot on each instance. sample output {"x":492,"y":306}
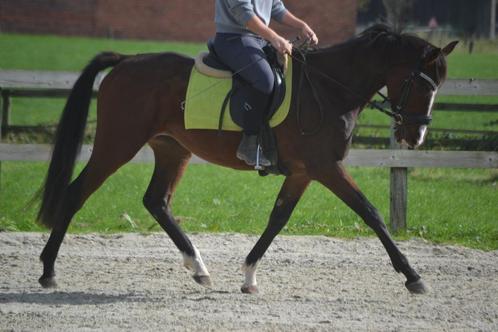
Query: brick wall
{"x":187,"y":20}
{"x":48,"y":16}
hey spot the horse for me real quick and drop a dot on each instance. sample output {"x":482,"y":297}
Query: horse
{"x":139,"y":102}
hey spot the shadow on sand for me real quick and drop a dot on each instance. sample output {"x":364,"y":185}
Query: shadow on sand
{"x":73,"y":298}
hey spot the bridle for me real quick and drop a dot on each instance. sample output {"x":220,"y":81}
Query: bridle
{"x":397,"y":111}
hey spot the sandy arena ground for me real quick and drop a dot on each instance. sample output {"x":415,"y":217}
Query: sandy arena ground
{"x":136,"y":282}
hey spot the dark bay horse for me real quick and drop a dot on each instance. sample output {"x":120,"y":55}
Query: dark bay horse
{"x":139,"y":103}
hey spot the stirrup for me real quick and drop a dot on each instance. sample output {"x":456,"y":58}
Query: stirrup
{"x":258,"y":166}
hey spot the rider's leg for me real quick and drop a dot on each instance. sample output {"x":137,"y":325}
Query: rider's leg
{"x":244,"y":55}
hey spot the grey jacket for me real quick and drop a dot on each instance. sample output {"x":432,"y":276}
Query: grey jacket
{"x":231,"y":16}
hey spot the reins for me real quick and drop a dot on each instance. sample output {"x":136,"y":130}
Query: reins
{"x":302,"y":50}
{"x":305,"y":74}
{"x":399,"y":117}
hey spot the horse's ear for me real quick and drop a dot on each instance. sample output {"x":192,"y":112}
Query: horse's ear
{"x":450,"y":47}
{"x":432,"y":55}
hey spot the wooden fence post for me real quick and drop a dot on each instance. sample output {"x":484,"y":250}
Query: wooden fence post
{"x":399,"y":198}
{"x":5,"y":112}
{"x":398,"y":192}
{"x":492,"y":25}
{"x":2,"y":115}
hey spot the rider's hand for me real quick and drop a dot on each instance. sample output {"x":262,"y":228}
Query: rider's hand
{"x":282,"y":45}
{"x":308,"y":34}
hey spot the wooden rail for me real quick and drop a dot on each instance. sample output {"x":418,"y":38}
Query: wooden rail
{"x":41,"y":84}
{"x":17,"y":83}
{"x":40,"y":80}
{"x":356,"y":157}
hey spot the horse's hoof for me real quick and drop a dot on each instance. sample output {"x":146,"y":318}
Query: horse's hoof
{"x":203,"y":280}
{"x":249,"y":289}
{"x":47,"y":282}
{"x":417,"y":287}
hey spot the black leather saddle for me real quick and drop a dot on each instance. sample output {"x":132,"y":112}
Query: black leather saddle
{"x":238,"y":95}
{"x":210,"y":64}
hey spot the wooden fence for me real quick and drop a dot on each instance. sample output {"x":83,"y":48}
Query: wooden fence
{"x":14,"y":83}
{"x":39,"y":84}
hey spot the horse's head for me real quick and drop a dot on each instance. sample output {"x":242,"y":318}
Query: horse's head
{"x":412,"y":87}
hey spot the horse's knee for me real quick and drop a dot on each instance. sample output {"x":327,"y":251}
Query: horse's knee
{"x":373,"y":218}
{"x":154,"y":206}
{"x":281,"y":213}
{"x":375,"y":223}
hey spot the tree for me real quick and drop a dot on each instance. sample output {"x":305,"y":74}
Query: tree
{"x":397,"y":12}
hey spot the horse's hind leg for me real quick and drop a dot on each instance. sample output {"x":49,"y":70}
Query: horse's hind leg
{"x":171,"y":159}
{"x":340,"y":183}
{"x":290,"y":193}
{"x":105,"y":160}
{"x":68,"y":208}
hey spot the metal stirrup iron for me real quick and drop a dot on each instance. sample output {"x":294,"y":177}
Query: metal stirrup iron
{"x":258,"y":166}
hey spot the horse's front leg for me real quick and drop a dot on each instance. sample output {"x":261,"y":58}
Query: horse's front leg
{"x":337,"y":180}
{"x":290,"y":193}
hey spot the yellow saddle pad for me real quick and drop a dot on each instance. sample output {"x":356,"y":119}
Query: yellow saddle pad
{"x":205,"y":96}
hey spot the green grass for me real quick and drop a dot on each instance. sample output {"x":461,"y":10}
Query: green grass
{"x":41,"y":111}
{"x":73,"y":53}
{"x":31,"y":52}
{"x":450,"y":206}
{"x":443,"y":119}
{"x":483,"y":66}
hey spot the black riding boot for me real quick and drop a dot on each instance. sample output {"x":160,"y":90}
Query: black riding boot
{"x":248,"y":151}
{"x":254,"y":107}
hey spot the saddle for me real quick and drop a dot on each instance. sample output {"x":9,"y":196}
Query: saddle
{"x":208,"y":63}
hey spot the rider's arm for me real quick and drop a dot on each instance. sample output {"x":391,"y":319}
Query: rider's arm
{"x":258,"y":27}
{"x":294,"y":22}
{"x":243,"y":12}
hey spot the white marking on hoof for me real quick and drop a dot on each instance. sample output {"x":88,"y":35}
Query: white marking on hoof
{"x":250,"y":272}
{"x":195,"y":264}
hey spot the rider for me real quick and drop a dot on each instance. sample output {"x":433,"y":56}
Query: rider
{"x":241,"y":33}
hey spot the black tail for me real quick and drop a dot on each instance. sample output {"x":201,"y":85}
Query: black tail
{"x":69,"y":137}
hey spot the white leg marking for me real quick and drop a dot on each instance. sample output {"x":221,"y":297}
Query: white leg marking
{"x":195,"y":263}
{"x":250,"y":271}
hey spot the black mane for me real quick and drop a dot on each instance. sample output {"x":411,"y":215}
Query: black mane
{"x":381,"y":33}
{"x":383,"y":37}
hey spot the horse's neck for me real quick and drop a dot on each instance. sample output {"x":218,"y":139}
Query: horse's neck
{"x":362,"y":73}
